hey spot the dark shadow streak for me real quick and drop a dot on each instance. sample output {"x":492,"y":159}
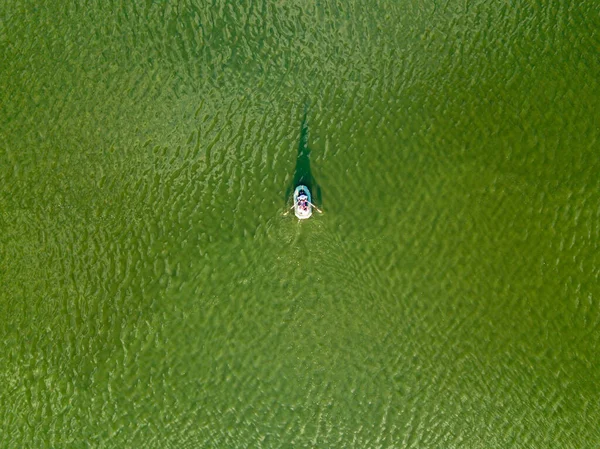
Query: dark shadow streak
{"x":302,"y":173}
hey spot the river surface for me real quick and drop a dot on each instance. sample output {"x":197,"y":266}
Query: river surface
{"x":152,"y":294}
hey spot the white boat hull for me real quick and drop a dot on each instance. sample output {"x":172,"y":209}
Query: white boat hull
{"x":302,"y":202}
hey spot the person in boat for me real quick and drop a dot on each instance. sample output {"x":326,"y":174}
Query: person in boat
{"x":303,"y":203}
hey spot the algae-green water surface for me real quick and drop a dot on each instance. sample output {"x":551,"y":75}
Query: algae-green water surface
{"x":152,"y":295}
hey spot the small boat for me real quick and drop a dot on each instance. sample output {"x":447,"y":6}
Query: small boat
{"x":302,"y":202}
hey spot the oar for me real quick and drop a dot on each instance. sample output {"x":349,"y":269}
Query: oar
{"x":288,"y":211}
{"x":318,"y":210}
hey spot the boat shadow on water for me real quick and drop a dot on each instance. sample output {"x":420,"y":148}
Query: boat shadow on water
{"x":302,"y":172}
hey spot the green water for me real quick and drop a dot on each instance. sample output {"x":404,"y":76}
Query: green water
{"x":152,"y":295}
